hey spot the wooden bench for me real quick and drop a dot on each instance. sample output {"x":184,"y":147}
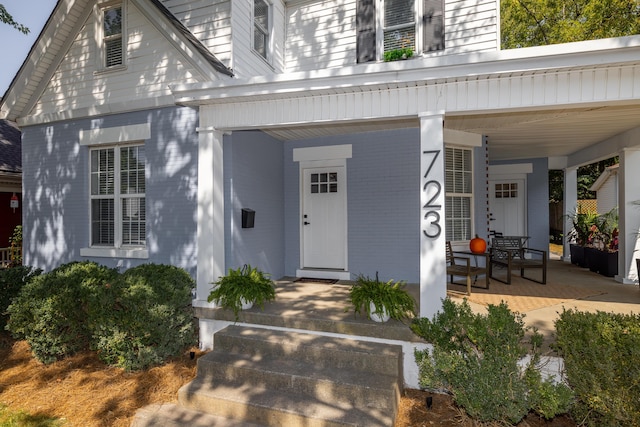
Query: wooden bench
{"x":509,"y":253}
{"x":461,"y":266}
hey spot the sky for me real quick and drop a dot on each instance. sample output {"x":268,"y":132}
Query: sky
{"x":15,"y":45}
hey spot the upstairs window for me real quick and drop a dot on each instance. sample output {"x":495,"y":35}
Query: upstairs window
{"x":386,"y":25}
{"x":399,"y":25}
{"x":261,"y":28}
{"x":112,"y":31}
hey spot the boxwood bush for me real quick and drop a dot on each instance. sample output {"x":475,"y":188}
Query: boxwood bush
{"x":601,"y":352}
{"x":52,"y":313}
{"x":480,"y":360}
{"x":133,"y":320}
{"x":11,"y":282}
{"x":151,"y":319}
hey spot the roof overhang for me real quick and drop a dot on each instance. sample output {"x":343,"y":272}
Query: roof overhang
{"x":10,"y":182}
{"x":551,"y":101}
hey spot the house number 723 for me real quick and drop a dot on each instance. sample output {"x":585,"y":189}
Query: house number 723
{"x":432,"y":189}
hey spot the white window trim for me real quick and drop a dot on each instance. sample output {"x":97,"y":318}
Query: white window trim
{"x":116,"y":137}
{"x":269,"y":47}
{"x":100,"y":7}
{"x":472,"y":196}
{"x":417,"y":19}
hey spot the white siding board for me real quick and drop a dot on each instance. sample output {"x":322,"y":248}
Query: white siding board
{"x":209,"y":21}
{"x":75,"y":84}
{"x":320,"y":35}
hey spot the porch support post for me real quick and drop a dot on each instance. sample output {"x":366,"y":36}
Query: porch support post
{"x":570,"y":203}
{"x":433,"y":278}
{"x":211,"y":244}
{"x":629,"y":215}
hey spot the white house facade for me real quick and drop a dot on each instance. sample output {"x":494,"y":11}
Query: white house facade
{"x":149,"y":125}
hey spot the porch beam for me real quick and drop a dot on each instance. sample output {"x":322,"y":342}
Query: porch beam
{"x":433,"y":279}
{"x":465,"y":94}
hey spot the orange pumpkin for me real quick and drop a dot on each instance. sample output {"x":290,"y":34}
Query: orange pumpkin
{"x":477,"y":245}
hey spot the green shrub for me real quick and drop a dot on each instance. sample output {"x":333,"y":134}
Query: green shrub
{"x":478,"y":359}
{"x":11,"y":282}
{"x":133,"y":320}
{"x":151,"y":317}
{"x":602,"y":362}
{"x":51,"y":312}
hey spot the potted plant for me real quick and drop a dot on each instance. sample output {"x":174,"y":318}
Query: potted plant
{"x":381,"y":300}
{"x":242,"y":288}
{"x":398,"y":54}
{"x":580,"y":233}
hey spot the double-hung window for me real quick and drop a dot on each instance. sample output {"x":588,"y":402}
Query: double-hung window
{"x":261,"y":28}
{"x":111,"y":30}
{"x":399,"y":25}
{"x":386,"y":25}
{"x":459,"y":193}
{"x":118,"y":218}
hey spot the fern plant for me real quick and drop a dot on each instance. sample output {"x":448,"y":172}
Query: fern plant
{"x":390,"y":296}
{"x":246,"y":284}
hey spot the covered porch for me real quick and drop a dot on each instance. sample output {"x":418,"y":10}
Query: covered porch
{"x":522,"y":112}
{"x":324,"y":308}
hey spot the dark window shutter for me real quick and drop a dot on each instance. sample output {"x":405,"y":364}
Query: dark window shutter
{"x":366,"y":30}
{"x":433,"y":25}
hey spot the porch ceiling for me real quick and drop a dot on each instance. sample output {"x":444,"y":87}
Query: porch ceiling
{"x":511,"y":135}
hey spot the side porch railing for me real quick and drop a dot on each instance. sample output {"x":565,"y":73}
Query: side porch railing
{"x":10,"y":256}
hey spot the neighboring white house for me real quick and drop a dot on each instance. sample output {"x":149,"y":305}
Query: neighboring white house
{"x":606,"y":188}
{"x":148,"y":125}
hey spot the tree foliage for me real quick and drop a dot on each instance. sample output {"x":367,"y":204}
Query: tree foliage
{"x":542,"y":22}
{"x":6,"y":18}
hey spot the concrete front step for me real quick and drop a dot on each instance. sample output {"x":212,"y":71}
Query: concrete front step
{"x":284,"y":378}
{"x":172,"y":415}
{"x":269,"y":407}
{"x":319,"y":350}
{"x":325,"y":384}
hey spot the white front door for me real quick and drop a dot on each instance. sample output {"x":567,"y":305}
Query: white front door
{"x":507,"y":207}
{"x":324,"y":218}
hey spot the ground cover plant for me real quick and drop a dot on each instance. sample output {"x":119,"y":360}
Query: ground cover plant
{"x":478,"y":359}
{"x":133,"y":320}
{"x":602,"y":362}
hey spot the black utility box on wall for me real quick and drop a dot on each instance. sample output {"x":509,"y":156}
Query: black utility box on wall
{"x":248,"y":218}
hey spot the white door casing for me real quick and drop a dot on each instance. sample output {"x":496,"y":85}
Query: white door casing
{"x":324,"y":218}
{"x":507,"y":207}
{"x":323,"y":199}
{"x":508,"y":198}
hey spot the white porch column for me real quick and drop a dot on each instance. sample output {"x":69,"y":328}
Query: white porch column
{"x":629,"y":215}
{"x":433,"y":278}
{"x":211,"y":244}
{"x":570,"y":203}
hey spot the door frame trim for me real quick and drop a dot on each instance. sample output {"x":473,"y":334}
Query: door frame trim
{"x":513,"y":171}
{"x":319,"y":157}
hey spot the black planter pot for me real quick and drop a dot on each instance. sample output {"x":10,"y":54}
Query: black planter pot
{"x":592,"y":259}
{"x":603,"y":262}
{"x":609,"y":264}
{"x":577,"y":255}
